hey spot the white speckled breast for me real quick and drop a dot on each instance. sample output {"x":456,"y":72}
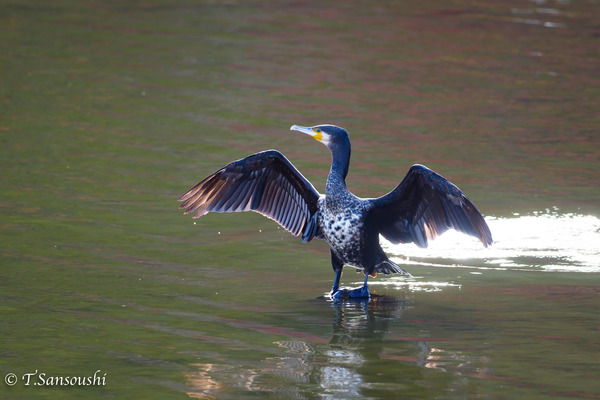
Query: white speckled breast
{"x":341,"y":223}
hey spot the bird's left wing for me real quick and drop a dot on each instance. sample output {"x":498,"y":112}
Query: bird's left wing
{"x":425,"y":205}
{"x":265,"y":182}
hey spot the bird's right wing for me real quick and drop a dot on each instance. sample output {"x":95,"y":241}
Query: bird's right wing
{"x":265,"y":182}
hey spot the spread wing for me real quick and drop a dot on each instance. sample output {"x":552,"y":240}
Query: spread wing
{"x":265,"y":182}
{"x":425,"y":205}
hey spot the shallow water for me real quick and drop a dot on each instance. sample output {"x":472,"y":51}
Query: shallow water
{"x":109,"y":111}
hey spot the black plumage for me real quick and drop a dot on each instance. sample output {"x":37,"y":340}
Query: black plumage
{"x":423,"y":206}
{"x":264,"y":182}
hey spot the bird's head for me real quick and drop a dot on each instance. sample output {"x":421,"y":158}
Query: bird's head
{"x":337,"y":141}
{"x":329,"y":135}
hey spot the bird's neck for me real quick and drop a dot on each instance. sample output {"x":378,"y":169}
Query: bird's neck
{"x":340,"y":161}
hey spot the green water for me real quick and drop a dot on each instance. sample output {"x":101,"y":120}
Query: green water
{"x":110,"y":110}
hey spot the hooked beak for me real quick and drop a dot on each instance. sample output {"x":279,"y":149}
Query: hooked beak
{"x":315,"y":133}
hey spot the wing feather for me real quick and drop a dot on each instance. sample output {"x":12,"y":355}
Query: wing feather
{"x":264,"y":182}
{"x":425,"y":205}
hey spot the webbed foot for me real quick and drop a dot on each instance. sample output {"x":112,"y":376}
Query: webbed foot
{"x":360,"y":293}
{"x":339,"y":295}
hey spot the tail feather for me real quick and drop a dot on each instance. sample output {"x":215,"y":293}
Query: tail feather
{"x":388,"y":267}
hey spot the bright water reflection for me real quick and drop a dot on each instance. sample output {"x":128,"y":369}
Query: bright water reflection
{"x":546,"y":241}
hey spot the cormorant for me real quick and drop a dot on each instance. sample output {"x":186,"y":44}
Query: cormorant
{"x":423,"y":206}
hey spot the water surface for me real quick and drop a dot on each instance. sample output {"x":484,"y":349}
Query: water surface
{"x":109,"y":111}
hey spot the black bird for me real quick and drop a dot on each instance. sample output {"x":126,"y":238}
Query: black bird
{"x":423,"y":206}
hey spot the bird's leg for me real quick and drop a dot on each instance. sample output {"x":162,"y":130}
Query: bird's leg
{"x":336,"y":281}
{"x":343,"y":294}
{"x":361,"y":292}
{"x":338,"y":266}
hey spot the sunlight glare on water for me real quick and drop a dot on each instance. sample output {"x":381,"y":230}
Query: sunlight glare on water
{"x":546,"y":241}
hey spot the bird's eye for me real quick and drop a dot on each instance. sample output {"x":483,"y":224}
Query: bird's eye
{"x":318,"y":130}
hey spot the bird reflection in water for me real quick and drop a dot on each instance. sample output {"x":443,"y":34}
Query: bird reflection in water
{"x":341,"y":366}
{"x":364,"y":353}
{"x":359,"y":331}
